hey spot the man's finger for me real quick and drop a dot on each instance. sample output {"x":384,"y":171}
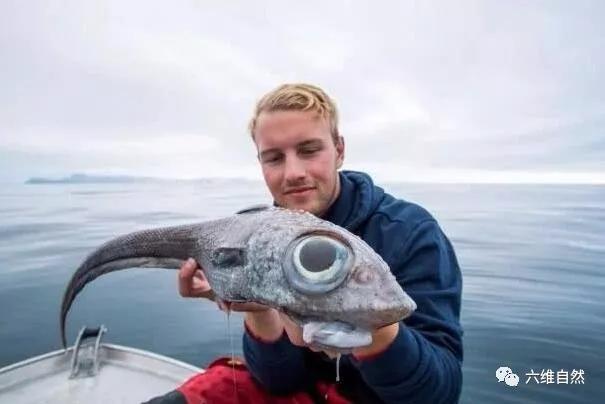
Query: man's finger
{"x":188,"y":268}
{"x":185,"y":277}
{"x":199,"y":284}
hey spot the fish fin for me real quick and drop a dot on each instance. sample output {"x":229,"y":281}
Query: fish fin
{"x":228,"y":257}
{"x":253,"y":208}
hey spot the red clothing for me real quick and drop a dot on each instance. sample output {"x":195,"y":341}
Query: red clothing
{"x":227,"y":381}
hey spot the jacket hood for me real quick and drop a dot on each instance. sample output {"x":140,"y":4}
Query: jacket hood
{"x":358,"y":199}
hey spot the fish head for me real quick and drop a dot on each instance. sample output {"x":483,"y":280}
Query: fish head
{"x":332,"y":276}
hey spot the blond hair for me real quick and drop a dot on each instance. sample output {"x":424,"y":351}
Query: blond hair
{"x":298,"y":97}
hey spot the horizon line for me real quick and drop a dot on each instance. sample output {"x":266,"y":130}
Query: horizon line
{"x":380,"y":175}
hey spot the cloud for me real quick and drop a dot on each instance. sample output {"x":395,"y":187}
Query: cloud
{"x":114,"y":146}
{"x":461,"y":88}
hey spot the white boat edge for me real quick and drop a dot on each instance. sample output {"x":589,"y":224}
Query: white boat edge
{"x":125,"y":375}
{"x":116,"y":347}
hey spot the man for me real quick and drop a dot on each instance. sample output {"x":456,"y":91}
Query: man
{"x":295,"y":131}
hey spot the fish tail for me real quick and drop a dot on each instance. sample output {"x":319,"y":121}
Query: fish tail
{"x":156,"y":248}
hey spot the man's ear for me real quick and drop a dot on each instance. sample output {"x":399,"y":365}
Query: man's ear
{"x":340,"y":151}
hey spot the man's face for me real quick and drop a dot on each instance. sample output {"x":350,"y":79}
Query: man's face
{"x":299,"y":159}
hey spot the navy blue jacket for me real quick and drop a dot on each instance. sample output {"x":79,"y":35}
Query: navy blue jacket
{"x":423,"y":364}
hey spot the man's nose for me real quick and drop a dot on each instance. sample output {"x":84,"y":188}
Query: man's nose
{"x":294,"y":169}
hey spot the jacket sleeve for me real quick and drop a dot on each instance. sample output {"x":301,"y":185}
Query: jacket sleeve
{"x":423,"y":364}
{"x":278,"y":366}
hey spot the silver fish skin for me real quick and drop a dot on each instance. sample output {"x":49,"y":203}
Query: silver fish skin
{"x":247,"y":257}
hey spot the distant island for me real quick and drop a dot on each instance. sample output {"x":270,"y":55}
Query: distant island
{"x":90,"y":179}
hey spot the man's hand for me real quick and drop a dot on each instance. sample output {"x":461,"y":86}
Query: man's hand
{"x":382,"y":338}
{"x":192,"y":282}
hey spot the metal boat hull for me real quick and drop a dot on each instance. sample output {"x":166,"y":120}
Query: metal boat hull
{"x":125,"y":375}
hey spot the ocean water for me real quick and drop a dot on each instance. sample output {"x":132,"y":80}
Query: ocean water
{"x":532,"y":258}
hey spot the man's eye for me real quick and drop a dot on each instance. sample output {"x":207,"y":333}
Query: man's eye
{"x":272,"y":159}
{"x":309,"y":151}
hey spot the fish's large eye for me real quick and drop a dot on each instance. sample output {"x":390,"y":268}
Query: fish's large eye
{"x":317,"y":263}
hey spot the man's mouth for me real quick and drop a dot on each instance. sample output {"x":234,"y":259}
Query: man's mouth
{"x":298,"y":191}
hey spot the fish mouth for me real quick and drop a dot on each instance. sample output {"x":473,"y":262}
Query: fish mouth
{"x":355,"y":331}
{"x":337,"y":336}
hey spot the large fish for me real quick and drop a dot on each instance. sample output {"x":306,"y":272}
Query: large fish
{"x":325,"y":278}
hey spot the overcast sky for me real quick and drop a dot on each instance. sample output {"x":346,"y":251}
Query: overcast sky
{"x":427,"y":91}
